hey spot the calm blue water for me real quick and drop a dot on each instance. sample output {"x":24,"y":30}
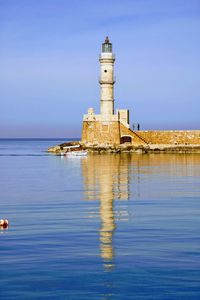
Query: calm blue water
{"x":101,"y":227}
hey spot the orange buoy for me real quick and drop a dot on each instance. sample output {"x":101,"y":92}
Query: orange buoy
{"x":4,"y":223}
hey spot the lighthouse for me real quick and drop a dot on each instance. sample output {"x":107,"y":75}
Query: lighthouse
{"x":107,"y":79}
{"x":110,"y":126}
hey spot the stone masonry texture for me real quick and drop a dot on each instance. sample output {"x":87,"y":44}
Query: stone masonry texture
{"x":98,"y":133}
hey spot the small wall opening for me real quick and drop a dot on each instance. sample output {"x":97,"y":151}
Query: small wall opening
{"x":125,"y":139}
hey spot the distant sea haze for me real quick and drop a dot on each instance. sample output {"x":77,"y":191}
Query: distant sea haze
{"x":71,"y":131}
{"x":41,"y":131}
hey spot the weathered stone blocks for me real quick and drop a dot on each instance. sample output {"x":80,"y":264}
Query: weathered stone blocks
{"x":110,"y":133}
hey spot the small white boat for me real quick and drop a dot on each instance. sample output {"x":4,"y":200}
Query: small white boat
{"x":77,"y":153}
{"x":74,"y":153}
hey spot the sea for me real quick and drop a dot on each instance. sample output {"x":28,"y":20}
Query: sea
{"x":105,"y":226}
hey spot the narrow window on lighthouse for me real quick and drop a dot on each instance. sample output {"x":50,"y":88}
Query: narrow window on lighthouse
{"x":105,"y":71}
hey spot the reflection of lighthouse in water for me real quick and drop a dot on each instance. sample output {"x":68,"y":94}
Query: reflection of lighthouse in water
{"x":106,"y":179}
{"x":107,"y":216}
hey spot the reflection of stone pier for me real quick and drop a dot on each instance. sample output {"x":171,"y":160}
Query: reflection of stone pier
{"x":106,"y":178}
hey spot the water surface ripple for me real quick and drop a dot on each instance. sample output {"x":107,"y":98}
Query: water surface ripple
{"x":102,"y":227}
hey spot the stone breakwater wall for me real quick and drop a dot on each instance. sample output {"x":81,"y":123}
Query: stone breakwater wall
{"x":129,"y":148}
{"x":125,"y":148}
{"x":170,"y":137}
{"x":57,"y":149}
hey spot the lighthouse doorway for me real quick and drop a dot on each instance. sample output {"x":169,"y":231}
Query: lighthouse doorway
{"x":125,"y":139}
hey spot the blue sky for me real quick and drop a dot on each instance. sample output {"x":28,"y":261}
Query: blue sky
{"x":49,"y":63}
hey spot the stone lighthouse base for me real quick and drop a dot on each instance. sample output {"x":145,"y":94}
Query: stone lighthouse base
{"x":108,"y":133}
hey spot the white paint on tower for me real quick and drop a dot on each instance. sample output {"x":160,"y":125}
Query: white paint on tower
{"x":107,"y":79}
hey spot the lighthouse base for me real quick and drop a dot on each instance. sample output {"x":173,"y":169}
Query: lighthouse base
{"x":97,"y":133}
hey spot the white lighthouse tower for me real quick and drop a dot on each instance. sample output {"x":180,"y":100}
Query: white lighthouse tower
{"x":107,"y":79}
{"x":109,"y":126}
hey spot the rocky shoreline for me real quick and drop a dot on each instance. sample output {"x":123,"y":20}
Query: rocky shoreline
{"x":127,"y":148}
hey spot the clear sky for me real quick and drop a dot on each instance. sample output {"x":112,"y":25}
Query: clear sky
{"x":49,"y":63}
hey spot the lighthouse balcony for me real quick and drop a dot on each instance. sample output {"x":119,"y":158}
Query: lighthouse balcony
{"x":107,"y":81}
{"x":107,"y":55}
